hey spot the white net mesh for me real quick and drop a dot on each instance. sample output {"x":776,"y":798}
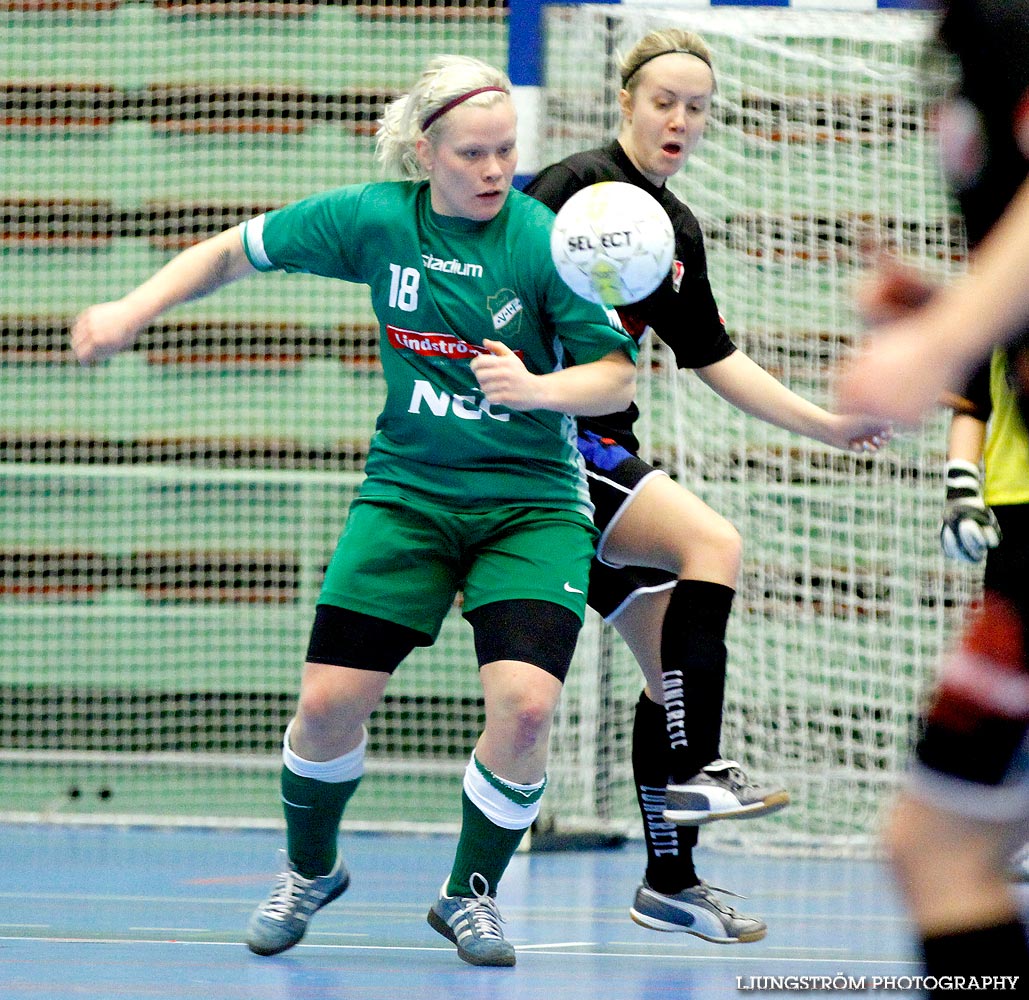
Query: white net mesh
{"x":820,"y":140}
{"x":165,"y":519}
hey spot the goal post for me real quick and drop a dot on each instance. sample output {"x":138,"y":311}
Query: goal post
{"x":165,"y":518}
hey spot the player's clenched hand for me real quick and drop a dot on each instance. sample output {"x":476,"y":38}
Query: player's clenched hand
{"x":858,"y":433}
{"x":891,"y":290}
{"x":504,"y":379}
{"x":102,"y":330}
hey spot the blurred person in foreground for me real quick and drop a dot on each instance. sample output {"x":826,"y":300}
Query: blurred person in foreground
{"x":965,"y":805}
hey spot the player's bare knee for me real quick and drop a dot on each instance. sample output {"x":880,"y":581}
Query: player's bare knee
{"x":716,"y":551}
{"x":730,"y":545}
{"x":916,"y":837}
{"x":526,"y":722}
{"x":532,"y":720}
{"x":319,"y":727}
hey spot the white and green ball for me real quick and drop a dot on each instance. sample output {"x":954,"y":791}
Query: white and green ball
{"x":612,"y":243}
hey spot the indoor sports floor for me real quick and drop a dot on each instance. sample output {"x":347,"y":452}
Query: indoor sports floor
{"x":109,"y":912}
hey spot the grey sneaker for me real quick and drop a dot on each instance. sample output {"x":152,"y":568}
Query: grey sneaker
{"x":473,"y":924}
{"x":281,"y":920}
{"x":697,"y":912}
{"x":720,"y":791}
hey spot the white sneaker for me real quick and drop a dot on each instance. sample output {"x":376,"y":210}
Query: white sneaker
{"x":720,"y":791}
{"x":695,"y":911}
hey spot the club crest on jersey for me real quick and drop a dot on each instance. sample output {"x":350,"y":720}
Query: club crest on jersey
{"x":505,"y":309}
{"x":677,"y":272}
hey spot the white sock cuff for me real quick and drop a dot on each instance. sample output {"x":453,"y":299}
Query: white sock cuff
{"x":497,"y":806}
{"x":349,"y":767}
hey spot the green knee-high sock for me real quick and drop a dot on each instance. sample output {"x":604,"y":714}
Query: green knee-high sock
{"x":313,"y":810}
{"x":482,"y":848}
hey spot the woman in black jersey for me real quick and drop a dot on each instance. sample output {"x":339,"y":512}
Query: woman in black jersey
{"x":965,"y":805}
{"x":666,"y":565}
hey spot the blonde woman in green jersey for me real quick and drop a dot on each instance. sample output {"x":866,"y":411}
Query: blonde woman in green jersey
{"x":473,"y":479}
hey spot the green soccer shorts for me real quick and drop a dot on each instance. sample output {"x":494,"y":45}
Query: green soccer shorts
{"x":405,"y":561}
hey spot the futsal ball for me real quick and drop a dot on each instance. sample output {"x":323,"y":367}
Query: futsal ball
{"x":612,"y":243}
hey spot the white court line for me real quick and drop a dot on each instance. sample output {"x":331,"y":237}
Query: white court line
{"x":337,"y":934}
{"x":243,"y":904}
{"x":538,"y":949}
{"x":559,"y":944}
{"x":173,"y":930}
{"x":803,"y":948}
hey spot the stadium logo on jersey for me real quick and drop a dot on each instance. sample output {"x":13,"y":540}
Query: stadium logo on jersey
{"x":505,"y":307}
{"x":433,"y":263}
{"x":677,"y":272}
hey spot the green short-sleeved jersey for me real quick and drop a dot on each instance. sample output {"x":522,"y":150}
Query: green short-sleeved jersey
{"x":440,"y":286}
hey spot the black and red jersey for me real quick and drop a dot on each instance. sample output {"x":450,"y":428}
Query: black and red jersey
{"x":682,"y":310}
{"x":985,"y":145}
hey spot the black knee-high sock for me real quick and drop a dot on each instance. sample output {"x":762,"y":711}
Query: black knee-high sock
{"x":669,"y":848}
{"x":693,"y":673}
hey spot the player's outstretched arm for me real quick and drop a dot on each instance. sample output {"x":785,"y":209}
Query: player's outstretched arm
{"x":103,"y":329}
{"x":741,"y":381}
{"x":597,"y":387}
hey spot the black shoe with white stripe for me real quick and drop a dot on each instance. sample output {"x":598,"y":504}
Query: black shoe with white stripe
{"x":721,"y":790}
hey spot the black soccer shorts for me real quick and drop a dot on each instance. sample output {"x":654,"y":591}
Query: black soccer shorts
{"x":615,"y":477}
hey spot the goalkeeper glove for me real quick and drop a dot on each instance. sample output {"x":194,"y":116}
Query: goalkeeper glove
{"x":969,"y":527}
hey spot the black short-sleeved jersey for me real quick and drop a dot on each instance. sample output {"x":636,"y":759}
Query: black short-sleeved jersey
{"x":682,"y":310}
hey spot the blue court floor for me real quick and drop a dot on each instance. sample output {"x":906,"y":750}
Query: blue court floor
{"x":108,"y":913}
